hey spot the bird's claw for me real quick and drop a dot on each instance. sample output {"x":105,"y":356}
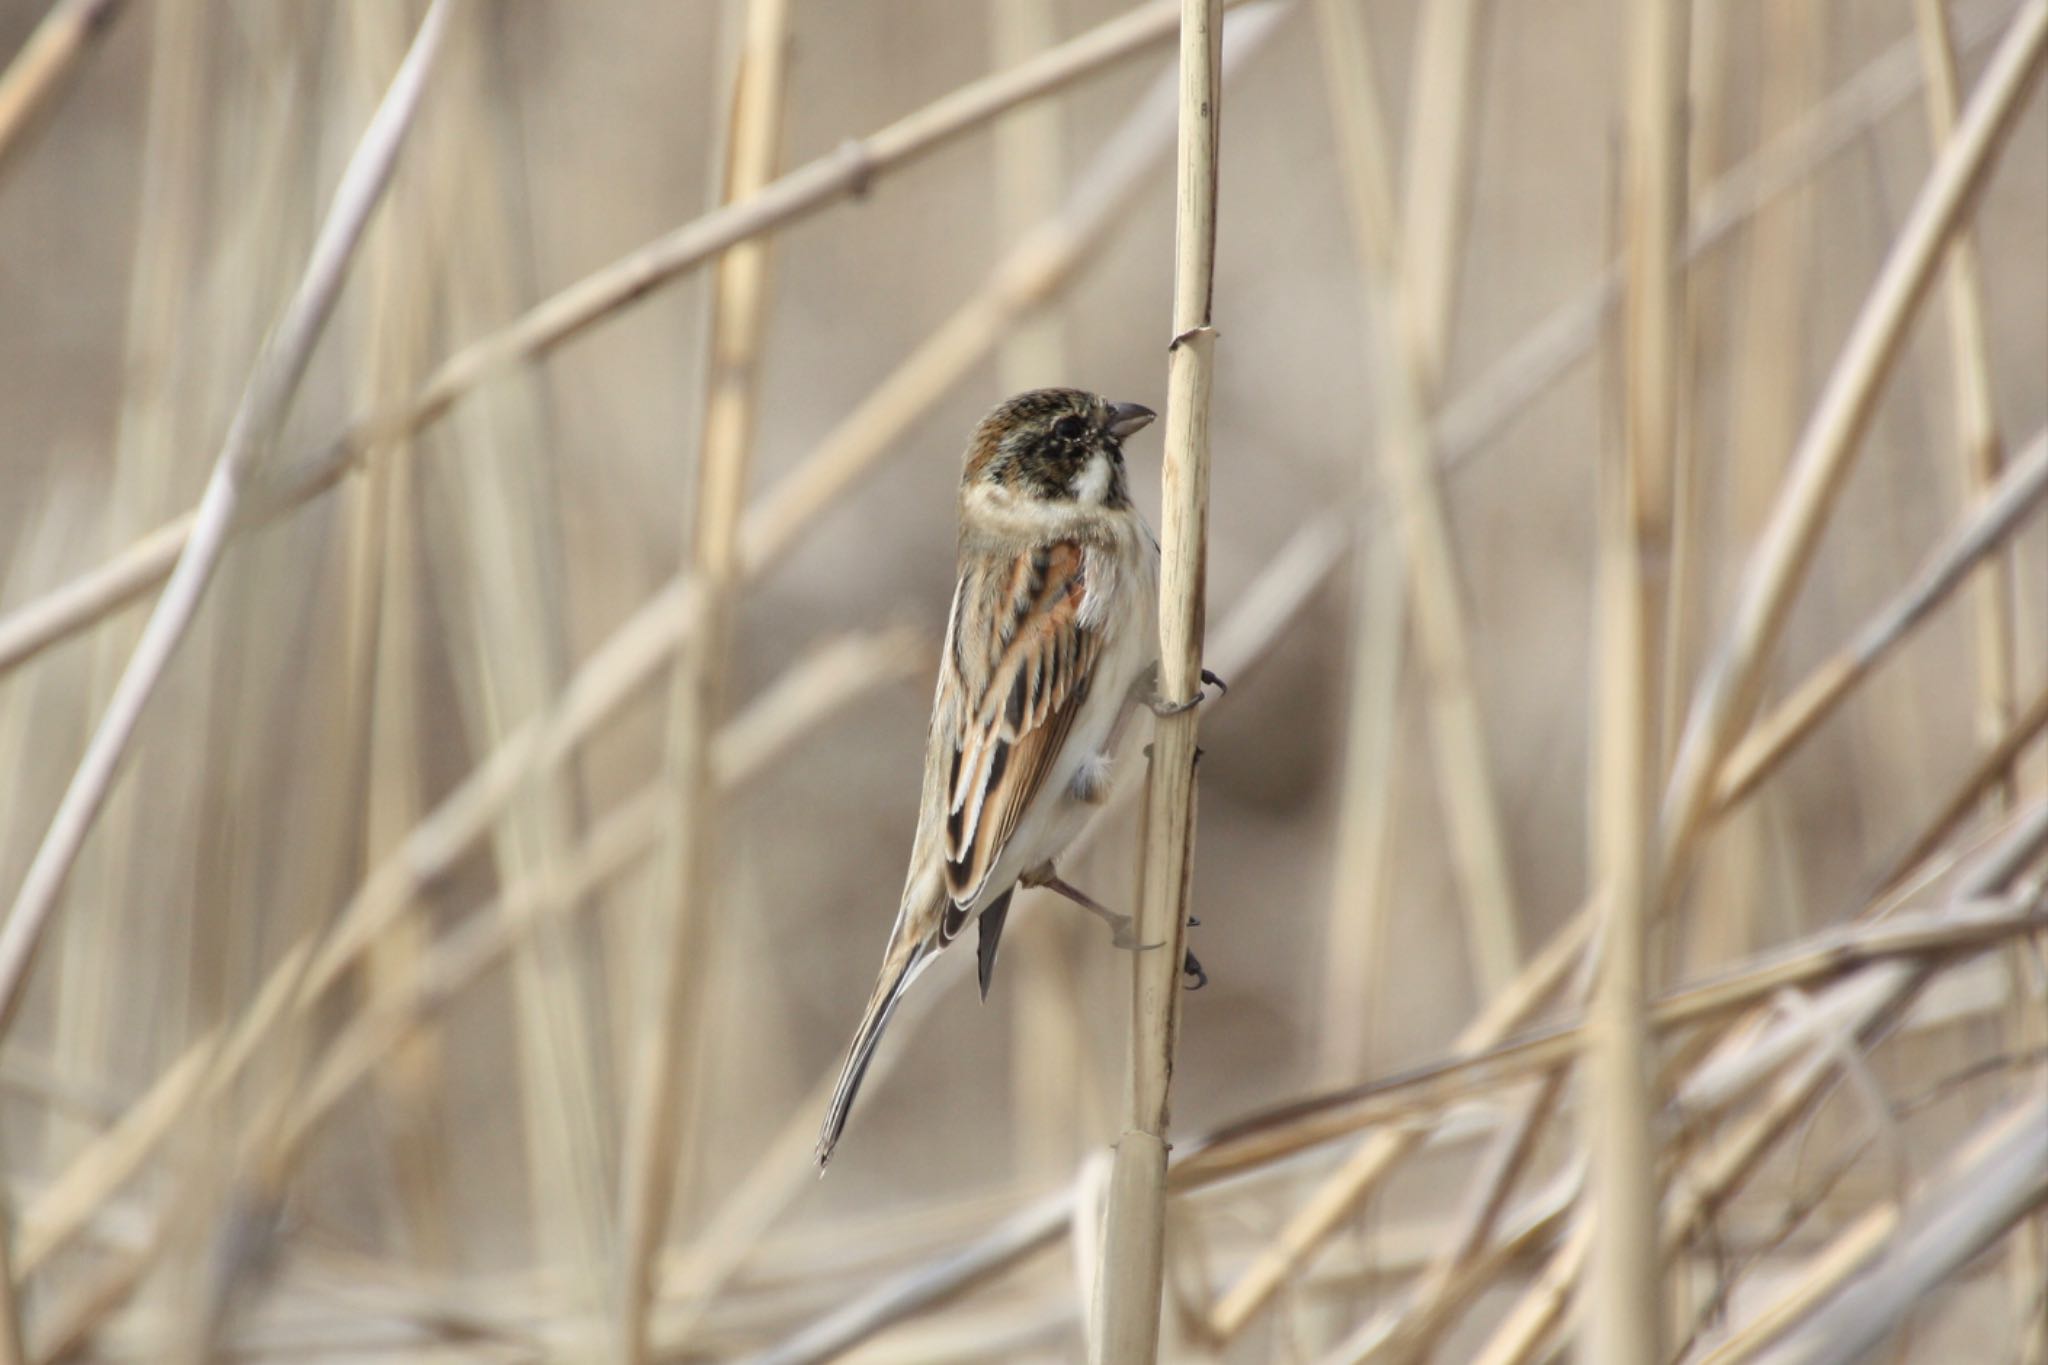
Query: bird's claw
{"x":1191,"y":968}
{"x":1162,"y":708}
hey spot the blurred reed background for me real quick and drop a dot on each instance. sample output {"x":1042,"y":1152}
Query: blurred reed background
{"x":498,"y":866}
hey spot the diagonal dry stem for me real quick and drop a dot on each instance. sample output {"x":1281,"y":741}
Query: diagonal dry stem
{"x":38,"y":72}
{"x":1833,"y":434}
{"x":810,"y":693}
{"x":845,"y":173}
{"x":255,"y":424}
{"x":1982,"y":533}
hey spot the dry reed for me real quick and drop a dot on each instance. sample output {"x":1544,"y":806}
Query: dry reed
{"x":444,"y":932}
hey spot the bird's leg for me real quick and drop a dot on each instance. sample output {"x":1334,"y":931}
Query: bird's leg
{"x":1120,"y":935}
{"x":1119,"y":925}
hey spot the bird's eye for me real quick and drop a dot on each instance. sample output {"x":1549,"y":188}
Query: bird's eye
{"x":1069,"y":428}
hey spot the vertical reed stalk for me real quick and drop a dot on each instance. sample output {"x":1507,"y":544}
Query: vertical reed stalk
{"x":1437,"y":174}
{"x":1420,"y":288}
{"x":1125,"y":1325}
{"x":672,"y":1071}
{"x":1409,"y":287}
{"x":1623,"y":1317}
{"x":1980,"y":446}
{"x":499,"y":575}
{"x":1769,"y":344}
{"x":1979,"y":443}
{"x":1360,"y":879}
{"x":93,"y":990}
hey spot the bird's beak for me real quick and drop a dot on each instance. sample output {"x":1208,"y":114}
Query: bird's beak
{"x":1125,"y":418}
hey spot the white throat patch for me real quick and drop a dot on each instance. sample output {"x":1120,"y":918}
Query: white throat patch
{"x":1092,"y":483}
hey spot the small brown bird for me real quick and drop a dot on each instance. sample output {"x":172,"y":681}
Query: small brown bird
{"x":1051,"y":642}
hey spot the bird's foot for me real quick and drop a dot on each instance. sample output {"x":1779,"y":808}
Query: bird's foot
{"x":1162,"y":707}
{"x":1120,"y":925}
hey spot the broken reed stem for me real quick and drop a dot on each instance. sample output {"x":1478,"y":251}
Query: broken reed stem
{"x":45,"y":62}
{"x":272,"y":383}
{"x":1624,"y":1319}
{"x":1124,"y":1327}
{"x":684,"y":928}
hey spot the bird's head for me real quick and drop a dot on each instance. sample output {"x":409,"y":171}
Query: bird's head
{"x":1056,"y":445}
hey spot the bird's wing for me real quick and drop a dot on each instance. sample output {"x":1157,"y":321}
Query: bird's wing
{"x":1022,"y":661}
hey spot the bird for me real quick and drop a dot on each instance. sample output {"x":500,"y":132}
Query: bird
{"x":1051,"y":645}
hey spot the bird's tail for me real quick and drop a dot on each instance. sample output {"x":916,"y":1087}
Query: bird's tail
{"x":898,"y":968}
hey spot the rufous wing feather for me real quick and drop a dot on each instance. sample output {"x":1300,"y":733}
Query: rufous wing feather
{"x":1019,"y":703}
